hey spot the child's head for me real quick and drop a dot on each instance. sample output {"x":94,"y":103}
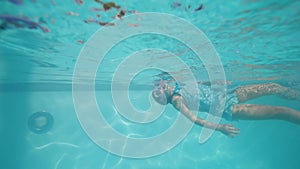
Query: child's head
{"x":160,"y":93}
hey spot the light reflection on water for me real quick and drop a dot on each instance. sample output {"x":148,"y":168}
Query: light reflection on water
{"x":257,"y":40}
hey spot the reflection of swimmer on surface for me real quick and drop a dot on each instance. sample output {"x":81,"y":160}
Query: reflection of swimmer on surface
{"x":108,"y":5}
{"x":164,"y":93}
{"x":79,"y":2}
{"x":99,"y":22}
{"x":178,"y":4}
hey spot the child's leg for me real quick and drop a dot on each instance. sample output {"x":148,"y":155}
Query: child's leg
{"x":253,"y":91}
{"x":261,"y":112}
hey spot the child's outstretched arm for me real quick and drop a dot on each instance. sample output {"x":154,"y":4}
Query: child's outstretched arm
{"x":227,"y":129}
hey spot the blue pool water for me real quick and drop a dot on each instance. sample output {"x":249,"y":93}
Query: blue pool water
{"x":256,"y":41}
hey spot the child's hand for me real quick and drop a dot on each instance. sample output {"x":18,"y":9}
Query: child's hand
{"x":228,"y":130}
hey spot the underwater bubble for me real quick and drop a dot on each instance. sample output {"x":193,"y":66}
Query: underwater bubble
{"x":40,"y":122}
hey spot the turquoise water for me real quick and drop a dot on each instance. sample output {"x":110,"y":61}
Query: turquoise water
{"x":257,"y":41}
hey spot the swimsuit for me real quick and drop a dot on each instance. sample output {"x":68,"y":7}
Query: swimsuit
{"x":193,"y":102}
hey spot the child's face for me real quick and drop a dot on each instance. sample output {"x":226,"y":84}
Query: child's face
{"x":159,"y":93}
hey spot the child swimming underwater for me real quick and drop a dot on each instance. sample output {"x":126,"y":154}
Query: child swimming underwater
{"x":164,"y":93}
